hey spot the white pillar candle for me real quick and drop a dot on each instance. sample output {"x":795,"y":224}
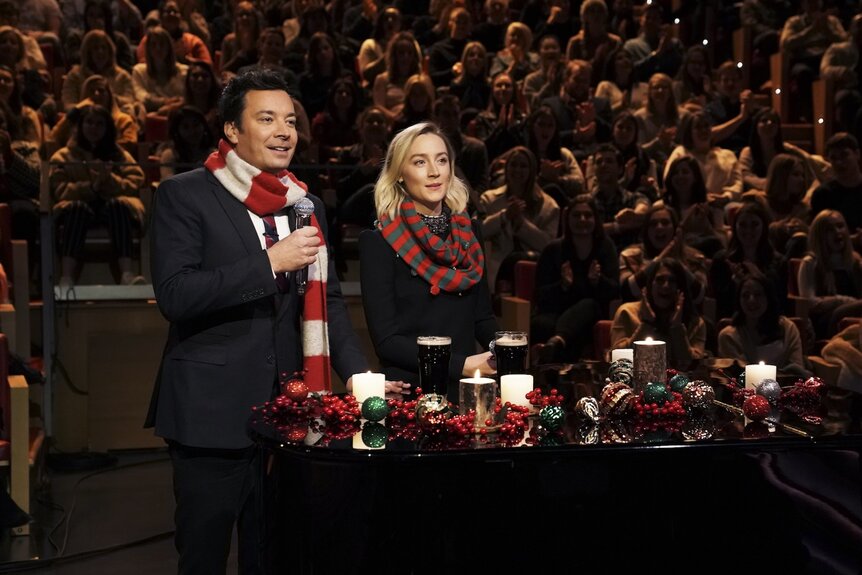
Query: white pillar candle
{"x":480,"y":395}
{"x":757,"y":372}
{"x":628,"y":354}
{"x":514,"y":388}
{"x":650,"y":362}
{"x":367,"y":385}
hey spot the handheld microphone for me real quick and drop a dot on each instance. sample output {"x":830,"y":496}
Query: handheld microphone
{"x":302,"y":210}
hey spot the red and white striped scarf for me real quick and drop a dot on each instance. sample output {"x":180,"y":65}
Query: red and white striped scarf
{"x":264,"y":193}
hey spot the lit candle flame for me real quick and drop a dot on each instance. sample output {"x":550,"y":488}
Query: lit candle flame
{"x":761,"y":363}
{"x":649,"y":340}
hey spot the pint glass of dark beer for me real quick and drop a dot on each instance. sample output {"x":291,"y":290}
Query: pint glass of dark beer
{"x":510,"y":351}
{"x":434,"y":354}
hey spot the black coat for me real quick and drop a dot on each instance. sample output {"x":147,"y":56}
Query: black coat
{"x":399,"y":307}
{"x":230,"y":333}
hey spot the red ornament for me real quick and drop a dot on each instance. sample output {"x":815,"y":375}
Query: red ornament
{"x":295,"y":389}
{"x":756,"y":407}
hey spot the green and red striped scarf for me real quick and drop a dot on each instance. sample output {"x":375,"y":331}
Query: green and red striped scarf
{"x":451,"y":265}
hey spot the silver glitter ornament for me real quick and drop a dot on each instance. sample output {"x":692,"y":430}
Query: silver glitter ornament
{"x":698,"y":428}
{"x":769,"y":389}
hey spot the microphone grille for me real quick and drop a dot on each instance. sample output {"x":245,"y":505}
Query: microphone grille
{"x":304,"y":207}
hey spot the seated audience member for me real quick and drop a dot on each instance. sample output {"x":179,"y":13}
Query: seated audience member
{"x":202,"y":90}
{"x":445,"y":53}
{"x":786,"y":187}
{"x":471,"y":84}
{"x":95,"y":180}
{"x":594,"y":42}
{"x":500,"y":126}
{"x":764,"y":19}
{"x":545,"y":81}
{"x":418,"y":103}
{"x":804,"y":40}
{"x":10,"y":94}
{"x":16,"y":52}
{"x":621,"y":212}
{"x":639,"y":173}
{"x":576,"y":279}
{"x":517,"y":59}
{"x":97,"y":57}
{"x":335,"y":126}
{"x":191,"y":142}
{"x":617,"y":84}
{"x":693,"y":81}
{"x":830,"y":275}
{"x":839,"y":65}
{"x":403,"y":59}
{"x":764,"y":143}
{"x":97,"y":90}
{"x":471,"y":155}
{"x":560,"y":175}
{"x":720,"y":168}
{"x":99,"y":16}
{"x":845,"y":349}
{"x":270,"y":55}
{"x":551,"y":18}
{"x":685,"y":191}
{"x":519,"y":218}
{"x":355,"y":198}
{"x":844,"y":192}
{"x":322,"y":69}
{"x":748,"y":249}
{"x":491,"y":31}
{"x":654,"y":50}
{"x":313,"y":20}
{"x":661,"y":237}
{"x":186,"y":46}
{"x":730,"y":109}
{"x":583,"y":119}
{"x":240,"y":47}
{"x":658,"y":120}
{"x":664,"y":312}
{"x":371,"y":59}
{"x":19,"y":186}
{"x":758,"y":331}
{"x":159,"y":82}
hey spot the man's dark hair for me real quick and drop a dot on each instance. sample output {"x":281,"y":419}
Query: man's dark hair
{"x":842,"y":140}
{"x":232,"y":101}
{"x":608,"y":148}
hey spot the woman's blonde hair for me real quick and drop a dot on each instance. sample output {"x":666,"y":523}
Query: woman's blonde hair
{"x":818,"y":247}
{"x":88,"y":44}
{"x":389,"y":192}
{"x":167,"y":68}
{"x":526,"y":34}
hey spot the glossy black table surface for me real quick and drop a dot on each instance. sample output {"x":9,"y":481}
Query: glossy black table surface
{"x":713,"y":493}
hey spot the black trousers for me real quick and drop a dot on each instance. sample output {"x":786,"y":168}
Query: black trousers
{"x":216,"y":489}
{"x":78,"y":217}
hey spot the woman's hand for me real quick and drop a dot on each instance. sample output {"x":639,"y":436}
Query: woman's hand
{"x":398,"y":387}
{"x":551,"y":170}
{"x":567,"y":276}
{"x":481,"y":362}
{"x":515,"y":211}
{"x":594,"y":273}
{"x":676,"y":318}
{"x":646,"y":313}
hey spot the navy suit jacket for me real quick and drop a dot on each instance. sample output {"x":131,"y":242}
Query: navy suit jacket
{"x":231,"y":332}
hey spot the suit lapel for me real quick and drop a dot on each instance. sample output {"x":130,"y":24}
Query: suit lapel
{"x":237,"y":214}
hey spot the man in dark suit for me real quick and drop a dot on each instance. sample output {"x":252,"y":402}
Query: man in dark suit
{"x":226,"y":284}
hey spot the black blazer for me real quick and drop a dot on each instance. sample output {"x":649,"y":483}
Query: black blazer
{"x":399,"y":307}
{"x":231,"y":333}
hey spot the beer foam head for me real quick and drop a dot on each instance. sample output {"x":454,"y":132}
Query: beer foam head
{"x":508,"y":340}
{"x":433,"y":340}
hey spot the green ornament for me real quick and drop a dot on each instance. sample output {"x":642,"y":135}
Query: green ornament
{"x":656,"y":393}
{"x":678,"y":382}
{"x":375,"y":408}
{"x":374,"y":435}
{"x":551,"y":417}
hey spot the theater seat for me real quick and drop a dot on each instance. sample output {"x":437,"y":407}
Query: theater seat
{"x":515,"y":309}
{"x":602,"y":339}
{"x":15,"y":315}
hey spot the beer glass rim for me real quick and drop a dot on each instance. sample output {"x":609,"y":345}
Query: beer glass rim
{"x":433,"y":340}
{"x":510,"y":334}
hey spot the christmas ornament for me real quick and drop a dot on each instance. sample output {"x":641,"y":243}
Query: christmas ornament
{"x":588,"y":408}
{"x":587,"y":433}
{"x":375,"y":408}
{"x":678,"y":382}
{"x":769,"y":389}
{"x":621,"y":371}
{"x":552,"y":417}
{"x":698,"y":394}
{"x":698,"y":428}
{"x":617,"y":399}
{"x":656,"y":392}
{"x":374,"y":435}
{"x":295,"y":389}
{"x":756,"y":408}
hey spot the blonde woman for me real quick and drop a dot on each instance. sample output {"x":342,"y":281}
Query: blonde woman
{"x":423,"y":270}
{"x":160,"y":81}
{"x":516,"y":58}
{"x":99,"y":57}
{"x":403,"y":59}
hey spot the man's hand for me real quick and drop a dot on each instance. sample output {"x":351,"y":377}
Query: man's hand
{"x":294,"y":252}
